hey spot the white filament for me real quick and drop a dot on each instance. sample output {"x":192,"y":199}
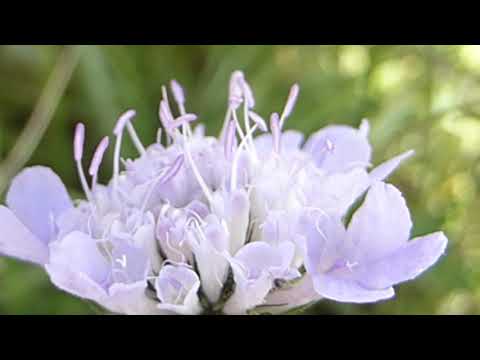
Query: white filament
{"x":116,"y":160}
{"x":136,"y":140}
{"x":83,"y":181}
{"x":196,"y":173}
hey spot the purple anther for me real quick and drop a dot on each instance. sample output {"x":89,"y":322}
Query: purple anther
{"x":178,"y":93}
{"x":257,"y":119}
{"x":173,"y":170}
{"x":122,"y":121}
{"x":98,"y":156}
{"x":184,"y":119}
{"x":78,"y":142}
{"x":292,"y":99}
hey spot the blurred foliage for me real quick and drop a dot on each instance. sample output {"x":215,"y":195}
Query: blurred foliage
{"x":420,"y":97}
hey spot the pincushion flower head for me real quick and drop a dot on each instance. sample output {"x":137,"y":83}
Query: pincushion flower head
{"x":257,"y":220}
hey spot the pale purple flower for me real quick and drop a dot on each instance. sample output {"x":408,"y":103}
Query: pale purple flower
{"x":246,"y":222}
{"x":255,"y":267}
{"x":362,"y":262}
{"x":177,"y":289}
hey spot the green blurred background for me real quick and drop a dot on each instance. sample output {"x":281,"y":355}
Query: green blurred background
{"x":421,"y":97}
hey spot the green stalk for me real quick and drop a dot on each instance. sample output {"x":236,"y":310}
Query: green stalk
{"x":41,"y":116}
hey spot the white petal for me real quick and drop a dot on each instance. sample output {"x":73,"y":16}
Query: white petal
{"x":383,"y":171}
{"x":17,"y":241}
{"x":37,"y":196}
{"x":347,"y":290}
{"x":405,"y":264}
{"x":381,"y":225}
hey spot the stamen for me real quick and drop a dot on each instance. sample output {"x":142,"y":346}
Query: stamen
{"x":196,"y":173}
{"x":249,"y":103}
{"x":235,"y":90}
{"x":182,"y":120}
{"x":237,"y":123}
{"x":248,"y":94}
{"x":173,"y":170}
{"x":246,"y":138}
{"x":163,"y":178}
{"x":246,"y":121}
{"x":122,"y":121}
{"x":97,"y":159}
{"x":229,"y":140}
{"x":118,"y":132}
{"x":276,"y":132}
{"x":257,"y":119}
{"x":165,"y":113}
{"x":178,"y":95}
{"x":165,"y":98}
{"x":166,"y":116}
{"x":136,"y":140}
{"x":78,"y":143}
{"x":291,"y":100}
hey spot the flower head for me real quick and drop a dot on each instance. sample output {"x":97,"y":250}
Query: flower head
{"x":255,"y":219}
